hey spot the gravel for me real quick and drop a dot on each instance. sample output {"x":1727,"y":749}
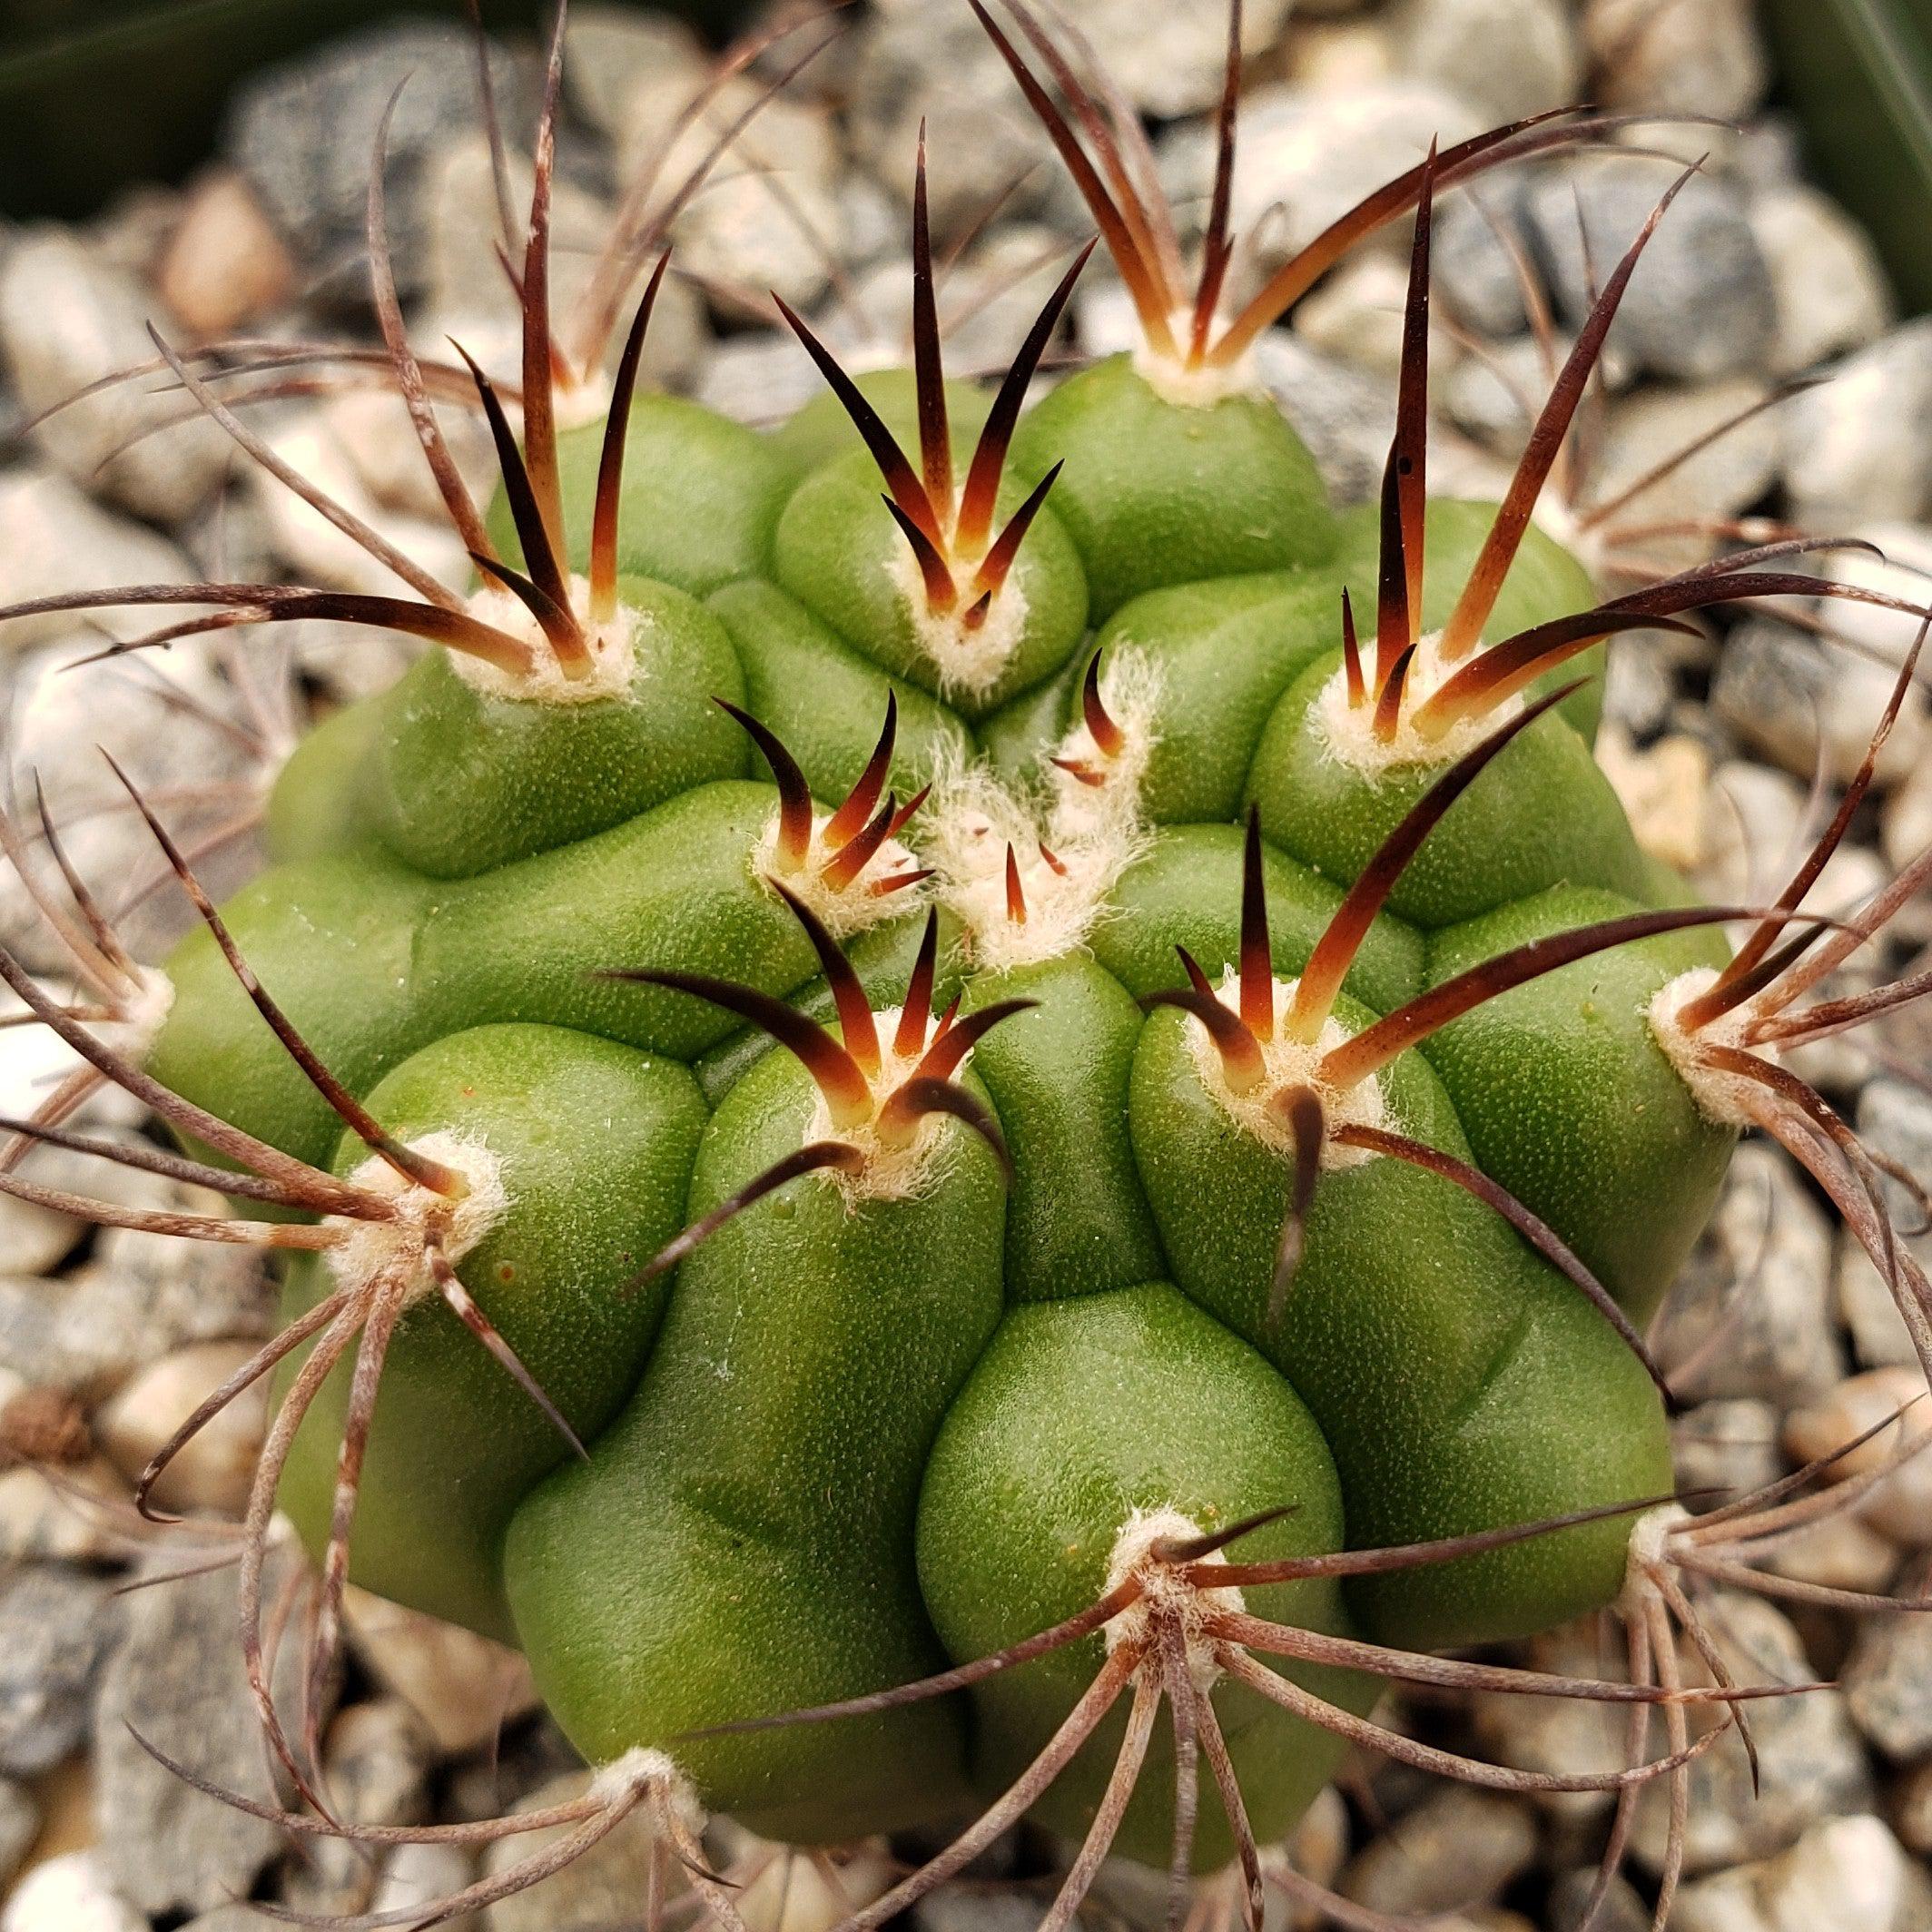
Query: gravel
{"x":1781,"y":1334}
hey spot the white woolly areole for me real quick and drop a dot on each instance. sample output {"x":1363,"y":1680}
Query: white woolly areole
{"x":1196,"y":385}
{"x":969,"y":825}
{"x":639,"y":1769}
{"x":964,"y":660}
{"x":142,"y":1010}
{"x":886,"y":1172}
{"x":1720,"y":1096}
{"x":587,"y":401}
{"x":612,"y":647}
{"x":1165,"y":1595}
{"x":1348,"y":733}
{"x":1131,"y":683}
{"x":842,"y":912}
{"x":1649,"y":1549}
{"x":1289,"y":1063}
{"x":373,"y":1249}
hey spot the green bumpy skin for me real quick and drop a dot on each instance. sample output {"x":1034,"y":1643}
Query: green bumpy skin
{"x":850,"y":1441}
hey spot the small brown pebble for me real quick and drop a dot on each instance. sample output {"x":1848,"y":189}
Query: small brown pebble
{"x":46,"y":1427}
{"x":224,"y":264}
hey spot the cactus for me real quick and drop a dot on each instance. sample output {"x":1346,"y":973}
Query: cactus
{"x":1242,"y":1091}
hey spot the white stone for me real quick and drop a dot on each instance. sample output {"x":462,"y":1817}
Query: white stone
{"x":1666,"y":57}
{"x":463,"y":1687}
{"x":603,"y":1888}
{"x":1905,"y":827}
{"x":54,"y":539}
{"x":1459,"y":1847}
{"x":1843,"y":1874}
{"x":1315,"y":154}
{"x":1879,"y":1337}
{"x":1554,"y":1734}
{"x":66,"y":321}
{"x":1831,"y":287}
{"x":1837,"y":1553}
{"x":928,"y":60}
{"x":1507,"y":58}
{"x":1857,"y":449}
{"x":1812,"y":1763}
{"x":1167,"y":61}
{"x":1643,"y":430}
{"x":1753,"y":1304}
{"x":419,"y":1876}
{"x":768,"y":216}
{"x":1357,"y":314}
{"x":214,"y":1469}
{"x":782,"y":1890}
{"x":312,"y":548}
{"x":1904,"y":571}
{"x":69,"y":1894}
{"x":1794,"y":697}
{"x":56,"y":1518}
{"x":1664,"y":789}
{"x":610,"y":50}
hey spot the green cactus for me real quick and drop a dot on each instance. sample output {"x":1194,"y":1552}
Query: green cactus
{"x":1242,"y":1086}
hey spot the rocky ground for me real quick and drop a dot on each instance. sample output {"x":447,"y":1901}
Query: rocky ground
{"x":1780,"y":1335}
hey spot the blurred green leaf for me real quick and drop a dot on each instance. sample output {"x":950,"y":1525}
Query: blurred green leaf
{"x":1859,"y":74}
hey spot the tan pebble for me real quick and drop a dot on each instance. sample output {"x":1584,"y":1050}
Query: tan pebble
{"x":463,"y":1687}
{"x":224,"y":264}
{"x":1663,"y":788}
{"x":215,"y":1466}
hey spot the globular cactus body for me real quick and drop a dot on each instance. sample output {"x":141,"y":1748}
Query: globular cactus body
{"x":1298,"y":1140}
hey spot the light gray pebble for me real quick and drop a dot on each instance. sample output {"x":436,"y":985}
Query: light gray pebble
{"x":1700,"y":302}
{"x":1782,"y":691}
{"x":757,"y":379}
{"x":303,"y":132}
{"x":421,"y":1876}
{"x":1758,"y":1291}
{"x":1888,"y":1678}
{"x":1458,"y":1847}
{"x":1315,"y":153}
{"x":1858,"y":447}
{"x":1343,"y":413}
{"x":993,"y":1909}
{"x":67,"y":318}
{"x":377,"y":1760}
{"x":1843,"y":1874}
{"x":609,"y":51}
{"x":1622,"y":1910}
{"x":139,"y":1296}
{"x":1638,"y":691}
{"x":1912,"y":1809}
{"x":1507,"y":58}
{"x":927,"y":58}
{"x":54,"y":1627}
{"x":176,"y":1678}
{"x":1812,"y":1762}
{"x":54,"y":538}
{"x":1470,"y":263}
{"x":1728,"y":1448}
{"x":1654,"y":426}
{"x":1665,"y":57}
{"x":1167,"y":61}
{"x":590,"y":1894}
{"x":1831,"y":288}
